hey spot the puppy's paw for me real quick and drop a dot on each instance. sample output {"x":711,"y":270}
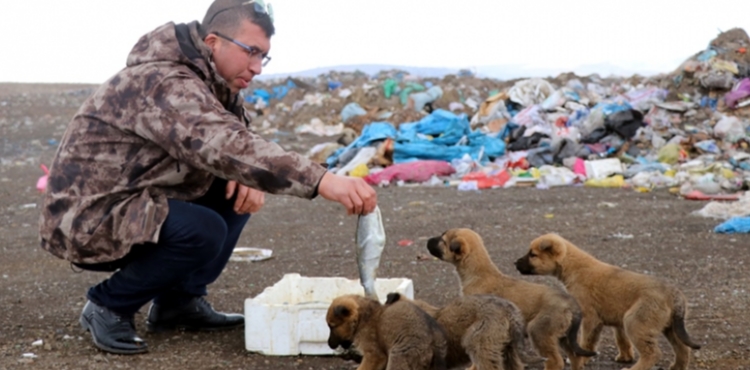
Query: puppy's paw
{"x":624,"y":358}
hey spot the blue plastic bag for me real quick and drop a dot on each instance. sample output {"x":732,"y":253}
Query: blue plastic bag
{"x":352,"y":109}
{"x":734,"y":225}
{"x":610,"y":107}
{"x":437,"y":135}
{"x":279,"y":92}
{"x":370,"y":133}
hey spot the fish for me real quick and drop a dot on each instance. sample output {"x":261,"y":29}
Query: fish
{"x":370,"y":244}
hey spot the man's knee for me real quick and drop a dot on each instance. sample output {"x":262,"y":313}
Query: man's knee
{"x":209,"y":238}
{"x":198,"y":230}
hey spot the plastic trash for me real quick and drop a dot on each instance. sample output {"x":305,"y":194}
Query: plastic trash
{"x":389,"y":87}
{"x":530,"y":92}
{"x":250,"y":254}
{"x":41,"y":184}
{"x":363,"y":157}
{"x":406,"y":91}
{"x":708,"y":146}
{"x":669,"y":154}
{"x":707,"y":55}
{"x":487,"y":181}
{"x":717,"y":80}
{"x":361,"y":170}
{"x":554,"y":101}
{"x":333,"y":85}
{"x":455,"y":106}
{"x":726,"y":210}
{"x":729,"y":128}
{"x":734,"y":225}
{"x":616,"y":181}
{"x":319,"y":128}
{"x":551,"y":176}
{"x":373,"y":132}
{"x":351,"y":110}
{"x":603,"y":168}
{"x":417,"y":171}
{"x":740,"y":91}
{"x":417,"y":101}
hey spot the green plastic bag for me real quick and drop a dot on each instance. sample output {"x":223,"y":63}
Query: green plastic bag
{"x":389,"y":87}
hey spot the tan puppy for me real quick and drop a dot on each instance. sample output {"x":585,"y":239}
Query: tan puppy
{"x":639,"y":307}
{"x":484,"y":330}
{"x":393,"y":337}
{"x":552,"y":316}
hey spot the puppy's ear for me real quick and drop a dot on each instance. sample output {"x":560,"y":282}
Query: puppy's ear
{"x":547,"y":246}
{"x":455,"y":247}
{"x":341,"y":311}
{"x":392,"y":298}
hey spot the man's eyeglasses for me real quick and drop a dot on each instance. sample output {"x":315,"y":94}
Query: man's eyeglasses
{"x":252,"y":51}
{"x":259,"y":6}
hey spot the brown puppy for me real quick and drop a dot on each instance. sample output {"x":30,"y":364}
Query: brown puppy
{"x":639,"y":307}
{"x":484,"y":330}
{"x":393,"y":337}
{"x":552,"y":316}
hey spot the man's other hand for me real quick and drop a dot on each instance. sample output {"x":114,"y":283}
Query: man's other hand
{"x":248,"y":200}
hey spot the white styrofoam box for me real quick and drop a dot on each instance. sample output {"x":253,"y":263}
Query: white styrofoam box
{"x":602,"y":168}
{"x":289,"y":318}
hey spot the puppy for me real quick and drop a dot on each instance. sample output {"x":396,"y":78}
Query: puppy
{"x":485,"y":330}
{"x":552,"y":316}
{"x":639,"y":307}
{"x":393,"y":337}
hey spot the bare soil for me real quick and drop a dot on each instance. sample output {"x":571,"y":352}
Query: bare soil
{"x":654,"y":233}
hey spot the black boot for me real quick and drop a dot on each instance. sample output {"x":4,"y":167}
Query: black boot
{"x":196,"y":315}
{"x":111,"y":332}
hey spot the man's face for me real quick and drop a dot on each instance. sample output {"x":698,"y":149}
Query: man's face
{"x":234,"y":63}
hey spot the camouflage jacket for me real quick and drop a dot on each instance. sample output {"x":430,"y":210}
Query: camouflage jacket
{"x":160,"y":129}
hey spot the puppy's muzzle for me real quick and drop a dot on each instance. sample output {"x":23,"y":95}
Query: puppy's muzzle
{"x":433,"y":245}
{"x":523,"y":266}
{"x":334,"y":342}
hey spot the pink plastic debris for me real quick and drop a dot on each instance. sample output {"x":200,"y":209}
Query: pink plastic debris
{"x":41,"y":184}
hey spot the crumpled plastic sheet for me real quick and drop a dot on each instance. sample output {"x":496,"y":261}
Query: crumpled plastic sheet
{"x":530,"y":92}
{"x":417,"y":171}
{"x":734,"y":225}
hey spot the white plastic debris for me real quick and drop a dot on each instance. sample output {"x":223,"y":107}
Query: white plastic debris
{"x":250,"y":254}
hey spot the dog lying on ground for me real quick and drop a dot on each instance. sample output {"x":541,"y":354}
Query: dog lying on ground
{"x":638,"y":306}
{"x":552,"y":316}
{"x":398,"y":336}
{"x":484,"y":330}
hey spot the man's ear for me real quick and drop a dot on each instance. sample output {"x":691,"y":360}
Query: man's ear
{"x":211,"y":40}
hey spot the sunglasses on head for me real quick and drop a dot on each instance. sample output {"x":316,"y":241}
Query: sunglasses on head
{"x":259,"y":6}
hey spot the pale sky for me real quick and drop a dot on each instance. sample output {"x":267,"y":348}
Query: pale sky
{"x":88,"y":40}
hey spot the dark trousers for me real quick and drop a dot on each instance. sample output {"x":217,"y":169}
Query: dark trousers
{"x":194,"y":246}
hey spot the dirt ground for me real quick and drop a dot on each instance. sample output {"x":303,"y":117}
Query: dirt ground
{"x":653,"y":233}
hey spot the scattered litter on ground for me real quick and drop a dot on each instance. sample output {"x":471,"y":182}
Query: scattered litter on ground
{"x":686,"y":130}
{"x":249,"y":254}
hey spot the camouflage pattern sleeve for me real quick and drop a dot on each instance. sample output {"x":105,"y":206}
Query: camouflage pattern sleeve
{"x":187,"y":121}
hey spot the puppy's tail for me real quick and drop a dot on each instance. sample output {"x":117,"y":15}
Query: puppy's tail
{"x":678,"y":322}
{"x":572,"y":337}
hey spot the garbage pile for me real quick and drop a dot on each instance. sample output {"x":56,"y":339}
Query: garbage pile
{"x":686,"y":130}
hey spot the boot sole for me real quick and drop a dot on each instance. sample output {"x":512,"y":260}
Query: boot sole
{"x":86,"y":325}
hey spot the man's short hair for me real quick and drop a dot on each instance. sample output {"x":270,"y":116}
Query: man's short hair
{"x":226,"y":16}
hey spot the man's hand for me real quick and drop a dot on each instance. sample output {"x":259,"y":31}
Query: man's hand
{"x":355,"y":194}
{"x":248,"y":200}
